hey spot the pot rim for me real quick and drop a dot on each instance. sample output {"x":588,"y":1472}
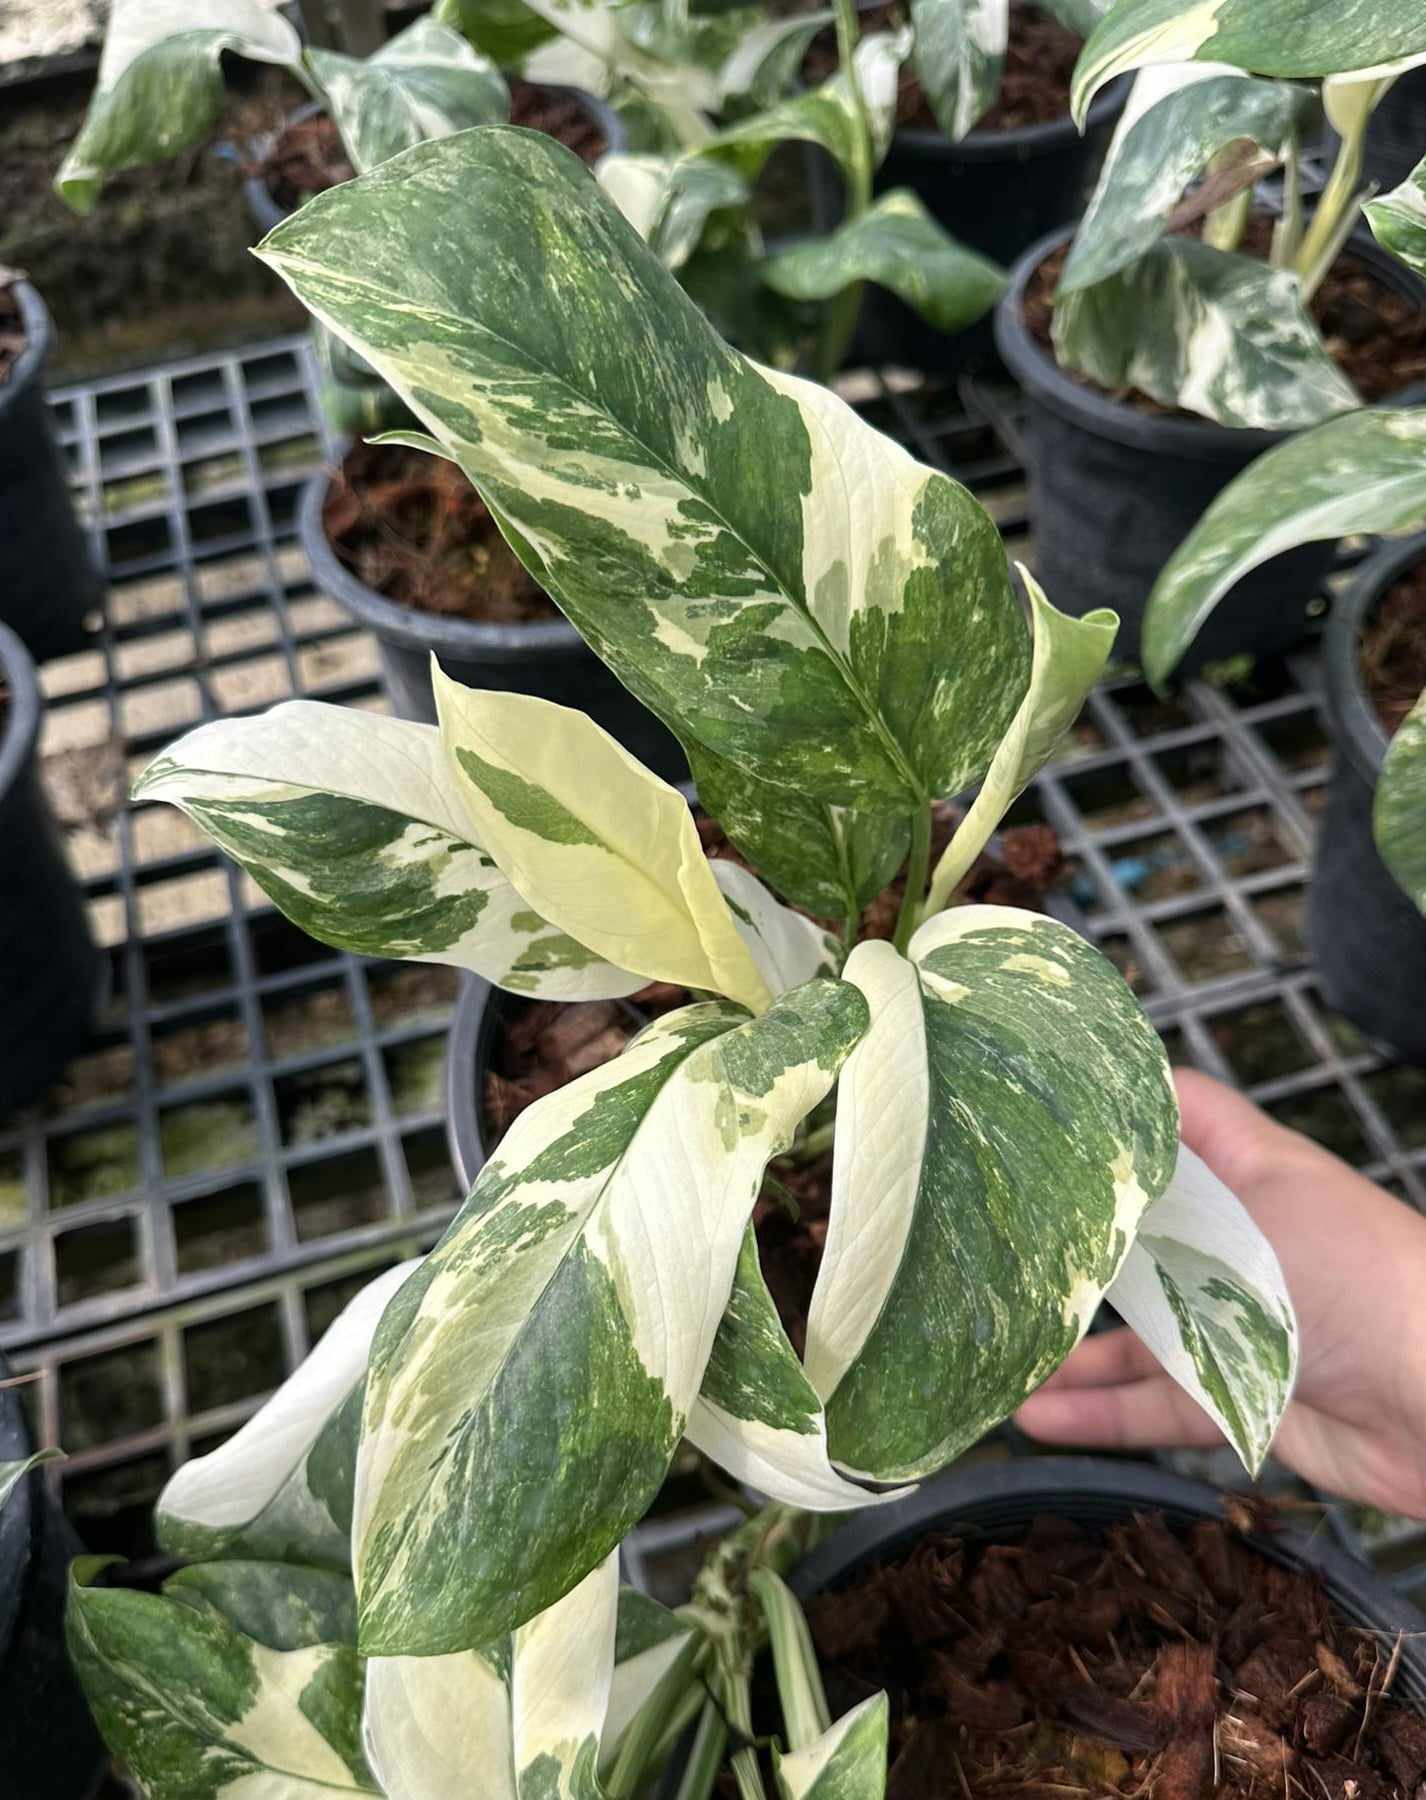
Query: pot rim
{"x":1016,"y":143}
{"x":39,"y":333}
{"x":1201,"y":439}
{"x":22,"y":718}
{"x":1359,"y":733}
{"x":468,"y":640}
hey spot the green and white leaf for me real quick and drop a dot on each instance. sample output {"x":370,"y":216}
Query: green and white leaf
{"x":1204,"y":1290}
{"x":1069,"y":657}
{"x":602,"y":847}
{"x":529,"y":1388}
{"x":1399,"y":219}
{"x":959,"y":56}
{"x":354,"y":825}
{"x":669,"y":199}
{"x":1303,"y":39}
{"x":1220,"y":334}
{"x":160,"y":86}
{"x":765,"y":61}
{"x":1365,"y":472}
{"x":897,"y":244}
{"x":506,"y":31}
{"x":757,"y":1415}
{"x":649,"y":1639}
{"x":688,"y":510}
{"x":1000,"y":1129}
{"x":195,"y":1709}
{"x":786,"y":947}
{"x":561,"y":1668}
{"x":425,"y":83}
{"x":280,"y":1489}
{"x":13,"y":1473}
{"x":283,"y":1606}
{"x":432,"y":1724}
{"x":802,"y":1698}
{"x":848,"y":1761}
{"x":1165,"y":149}
{"x":1399,"y":810}
{"x":1078,"y":16}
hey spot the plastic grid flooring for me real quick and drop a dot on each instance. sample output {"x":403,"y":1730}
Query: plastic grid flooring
{"x":157,"y":1298}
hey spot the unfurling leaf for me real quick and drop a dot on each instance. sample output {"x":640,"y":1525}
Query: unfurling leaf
{"x":1399,"y":810}
{"x":528,"y":1391}
{"x":1204,"y":1290}
{"x":1000,"y":1129}
{"x":355,"y":826}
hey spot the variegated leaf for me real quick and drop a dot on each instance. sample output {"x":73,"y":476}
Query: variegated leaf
{"x":435,"y":1726}
{"x":764,"y":62}
{"x":802,"y":1699}
{"x":603,"y":848}
{"x":13,"y":1473}
{"x":527,"y":1392}
{"x":1223,"y":335}
{"x":1399,"y":810}
{"x":1294,"y":38}
{"x":826,"y":858}
{"x":561,"y":1668}
{"x":1399,"y":219}
{"x":1000,"y":1129}
{"x":507,"y":31}
{"x":283,"y":1606}
{"x":280,"y":1489}
{"x":959,"y":55}
{"x":1070,"y":656}
{"x":786,"y":947}
{"x":848,"y":1761}
{"x":1164,"y":150}
{"x":765,"y":571}
{"x":1204,"y":1290}
{"x":196,"y":1711}
{"x":757,"y":1415}
{"x":669,"y":199}
{"x":160,"y":85}
{"x":648,"y":1641}
{"x":1365,"y":472}
{"x":354,"y":825}
{"x":1078,"y":16}
{"x":897,"y":244}
{"x":425,"y":83}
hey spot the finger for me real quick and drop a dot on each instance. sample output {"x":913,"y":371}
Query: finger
{"x":1108,"y":1359}
{"x":1232,"y":1136}
{"x":1140,"y":1415}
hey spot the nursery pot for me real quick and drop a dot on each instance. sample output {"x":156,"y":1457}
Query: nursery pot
{"x":1114,"y":492}
{"x":50,"y":969}
{"x":48,"y":1744}
{"x":48,"y":582}
{"x":545,"y":657}
{"x":1367,"y":938}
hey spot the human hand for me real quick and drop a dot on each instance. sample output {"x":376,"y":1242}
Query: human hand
{"x":1355,"y":1262}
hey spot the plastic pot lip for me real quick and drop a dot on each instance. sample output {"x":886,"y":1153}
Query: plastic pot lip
{"x":1201,"y":440}
{"x":16,"y":1524}
{"x":1020,"y":142}
{"x":462,"y":640}
{"x":1359,"y":733}
{"x":28,"y":366}
{"x":21,"y":724}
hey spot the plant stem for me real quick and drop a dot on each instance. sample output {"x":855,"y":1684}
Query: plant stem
{"x":649,"y":1726}
{"x":817,"y":1141}
{"x":737,"y":1696}
{"x":918,"y":862}
{"x":1224,"y":226}
{"x":839,"y":324}
{"x":794,"y":1659}
{"x":1287,"y":233}
{"x":1337,"y":205}
{"x":706,"y":1756}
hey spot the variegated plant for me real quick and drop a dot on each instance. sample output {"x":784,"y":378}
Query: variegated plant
{"x":831,"y":630}
{"x":1219,"y":102}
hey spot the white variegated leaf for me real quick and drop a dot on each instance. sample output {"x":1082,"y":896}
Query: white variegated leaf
{"x":1219,"y":334}
{"x":764,"y":62}
{"x":554,"y":1341}
{"x":786,"y":946}
{"x":284,"y":1606}
{"x":561,"y":1669}
{"x":1399,"y":810}
{"x":13,"y":1473}
{"x":354,"y":825}
{"x":432,"y":1724}
{"x":425,"y":83}
{"x":1000,"y":1129}
{"x":1399,"y":219}
{"x":959,"y":55}
{"x":648,"y":1641}
{"x":774,"y":578}
{"x":596,"y":843}
{"x":1365,"y":472}
{"x":669,"y":199}
{"x":280,"y":1489}
{"x":193,"y":1708}
{"x":160,"y":85}
{"x":1304,"y":39}
{"x":1204,"y":1290}
{"x":848,"y":1761}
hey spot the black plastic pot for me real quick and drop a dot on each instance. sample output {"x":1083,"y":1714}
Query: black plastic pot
{"x":544,"y":657}
{"x":1367,"y":939}
{"x":48,"y":582}
{"x":1114,"y":492}
{"x":50,"y":970}
{"x":48,"y":1744}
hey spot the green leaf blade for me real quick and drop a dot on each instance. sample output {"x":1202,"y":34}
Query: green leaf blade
{"x":1399,"y":219}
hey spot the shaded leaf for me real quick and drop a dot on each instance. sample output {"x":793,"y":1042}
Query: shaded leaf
{"x":281,"y":1605}
{"x":1399,"y":810}
{"x":669,"y":199}
{"x":1399,"y":219}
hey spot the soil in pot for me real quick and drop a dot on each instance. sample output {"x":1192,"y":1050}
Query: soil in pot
{"x":1135,"y":1662}
{"x":560,"y":115}
{"x":412,"y":528}
{"x":1375,"y":335}
{"x":1393,"y":651}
